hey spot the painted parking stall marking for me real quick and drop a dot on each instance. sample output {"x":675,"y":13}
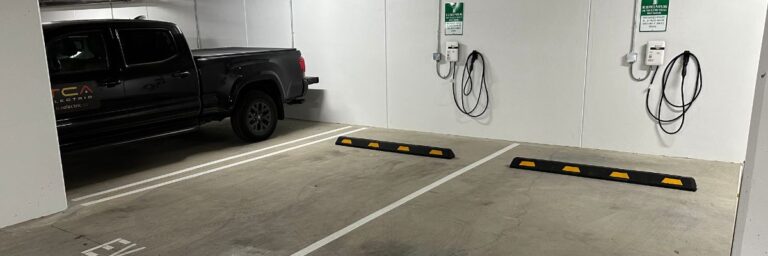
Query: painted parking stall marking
{"x":127,"y":186}
{"x":214,"y":170}
{"x":117,"y":247}
{"x":346,"y":230}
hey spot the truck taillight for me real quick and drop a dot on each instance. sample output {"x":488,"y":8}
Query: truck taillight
{"x":302,"y":64}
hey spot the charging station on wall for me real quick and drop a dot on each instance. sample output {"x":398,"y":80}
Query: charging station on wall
{"x":653,"y":17}
{"x":475,"y":62}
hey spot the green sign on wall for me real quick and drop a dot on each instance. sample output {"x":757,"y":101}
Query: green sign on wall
{"x":454,"y":18}
{"x":654,"y":15}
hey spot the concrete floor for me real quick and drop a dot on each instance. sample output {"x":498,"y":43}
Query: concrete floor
{"x":282,"y":203}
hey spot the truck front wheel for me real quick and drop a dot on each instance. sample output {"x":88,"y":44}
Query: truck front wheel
{"x":254,"y":117}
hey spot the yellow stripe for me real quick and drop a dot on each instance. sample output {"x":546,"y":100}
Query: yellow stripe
{"x":620,"y":175}
{"x":527,"y":164}
{"x":436,"y":152}
{"x":346,"y":141}
{"x":572,"y":169}
{"x":404,"y":148}
{"x":671,"y":181}
{"x":373,"y":145}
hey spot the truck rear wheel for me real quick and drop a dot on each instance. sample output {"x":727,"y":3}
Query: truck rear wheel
{"x":255,"y":117}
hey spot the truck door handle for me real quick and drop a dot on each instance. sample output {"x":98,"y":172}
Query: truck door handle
{"x":111,"y":83}
{"x":183,"y":74}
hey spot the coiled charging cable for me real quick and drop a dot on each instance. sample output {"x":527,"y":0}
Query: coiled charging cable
{"x":664,"y":101}
{"x":468,"y":87}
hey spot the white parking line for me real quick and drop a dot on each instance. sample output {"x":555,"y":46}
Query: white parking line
{"x":322,"y":242}
{"x":215,"y":169}
{"x":203,"y":165}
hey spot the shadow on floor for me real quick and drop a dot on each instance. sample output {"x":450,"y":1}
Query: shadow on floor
{"x":94,"y":166}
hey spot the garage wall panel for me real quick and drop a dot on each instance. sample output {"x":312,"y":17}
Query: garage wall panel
{"x":555,"y":66}
{"x":31,"y":178}
{"x":222,"y":23}
{"x":555,"y":71}
{"x":751,"y":224}
{"x":51,"y":14}
{"x":728,"y":45}
{"x":76,"y":12}
{"x":129,"y":10}
{"x":344,"y":43}
{"x":181,"y":12}
{"x":536,"y":55}
{"x":268,"y":23}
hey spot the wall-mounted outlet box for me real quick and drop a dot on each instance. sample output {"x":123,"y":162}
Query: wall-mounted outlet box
{"x":655,"y":53}
{"x":452,"y":51}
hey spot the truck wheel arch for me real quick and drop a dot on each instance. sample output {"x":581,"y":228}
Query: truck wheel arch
{"x":269,"y":86}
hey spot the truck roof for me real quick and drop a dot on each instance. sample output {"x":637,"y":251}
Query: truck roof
{"x":58,"y":24}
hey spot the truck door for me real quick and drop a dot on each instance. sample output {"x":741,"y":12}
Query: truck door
{"x":85,"y":84}
{"x":160,"y":76}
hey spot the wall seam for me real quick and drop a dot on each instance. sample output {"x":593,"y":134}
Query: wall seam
{"x":586,"y":74}
{"x":197,"y":27}
{"x":111,"y":9}
{"x":386,"y":64}
{"x":293,"y":30}
{"x":245,"y":20}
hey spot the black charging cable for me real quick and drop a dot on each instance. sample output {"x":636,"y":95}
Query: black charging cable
{"x":468,"y":87}
{"x":682,"y":108}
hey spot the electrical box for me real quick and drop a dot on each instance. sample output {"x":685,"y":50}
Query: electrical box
{"x":452,"y":51}
{"x":655,"y":53}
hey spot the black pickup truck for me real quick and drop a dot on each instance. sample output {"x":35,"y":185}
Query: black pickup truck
{"x":119,"y":81}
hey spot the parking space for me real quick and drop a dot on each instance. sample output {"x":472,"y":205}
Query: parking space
{"x":496,"y":210}
{"x":94,"y":171}
{"x":298,"y":192}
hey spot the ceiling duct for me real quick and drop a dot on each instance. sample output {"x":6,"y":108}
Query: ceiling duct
{"x":76,"y":2}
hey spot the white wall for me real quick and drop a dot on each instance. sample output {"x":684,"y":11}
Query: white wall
{"x":222,"y":23}
{"x":556,"y":71}
{"x":91,"y":11}
{"x":728,"y":46}
{"x":555,"y":67}
{"x":268,"y":23}
{"x":181,"y":12}
{"x":344,"y":43}
{"x":233,"y":23}
{"x":129,"y":10}
{"x":751,"y":223}
{"x":31,"y":179}
{"x":536,"y":80}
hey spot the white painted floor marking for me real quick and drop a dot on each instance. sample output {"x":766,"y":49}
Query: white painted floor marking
{"x":322,"y":242}
{"x":108,"y":191}
{"x":125,"y":248}
{"x":216,"y":169}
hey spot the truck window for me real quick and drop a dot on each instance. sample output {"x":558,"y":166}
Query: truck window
{"x":144,"y":46}
{"x":77,"y":53}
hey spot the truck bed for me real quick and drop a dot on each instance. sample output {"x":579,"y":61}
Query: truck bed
{"x":235,"y":51}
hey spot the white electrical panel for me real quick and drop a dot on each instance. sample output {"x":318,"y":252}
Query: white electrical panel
{"x":452,"y":51}
{"x":655,"y":53}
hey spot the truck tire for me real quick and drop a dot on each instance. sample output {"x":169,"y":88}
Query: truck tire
{"x":254,"y":117}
